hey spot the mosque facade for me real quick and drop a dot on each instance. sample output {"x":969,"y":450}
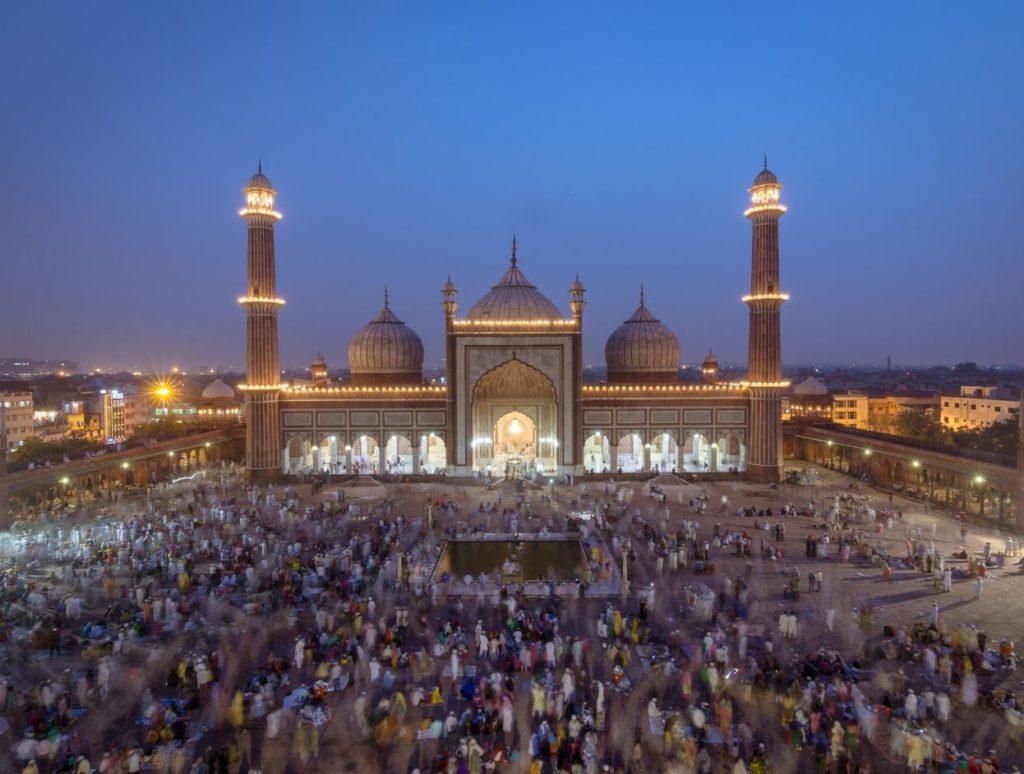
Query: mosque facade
{"x":514,"y":399}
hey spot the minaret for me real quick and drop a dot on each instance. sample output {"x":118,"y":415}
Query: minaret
{"x":765,"y":301}
{"x":318,"y":371}
{"x":450,"y":305}
{"x":1020,"y":462}
{"x":5,"y":519}
{"x":709,"y":369}
{"x":263,"y":369}
{"x":577,"y":305}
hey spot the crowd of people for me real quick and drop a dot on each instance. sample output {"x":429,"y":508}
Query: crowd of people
{"x":212,"y":626}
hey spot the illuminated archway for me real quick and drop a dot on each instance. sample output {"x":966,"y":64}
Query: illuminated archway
{"x":330,"y":457}
{"x":433,"y":453}
{"x":664,"y":453}
{"x":366,"y":455}
{"x":514,"y":392}
{"x":697,"y":453}
{"x":398,"y":455}
{"x":597,"y":456}
{"x":514,"y":443}
{"x":629,"y":454}
{"x":730,"y":453}
{"x":298,"y":454}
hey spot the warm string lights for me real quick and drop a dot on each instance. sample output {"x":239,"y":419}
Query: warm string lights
{"x":259,"y":201}
{"x":514,"y":323}
{"x":262,"y":387}
{"x":765,"y":297}
{"x":260,"y":300}
{"x":677,"y":388}
{"x":429,"y":389}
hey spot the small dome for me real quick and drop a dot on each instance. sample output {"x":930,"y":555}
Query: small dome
{"x":765,"y":176}
{"x":710,"y":361}
{"x":449,"y":288}
{"x":577,"y":286}
{"x":259,"y":180}
{"x":514,"y":298}
{"x":218,"y":390}
{"x":642,"y":349}
{"x":386,"y":349}
{"x":810,"y":386}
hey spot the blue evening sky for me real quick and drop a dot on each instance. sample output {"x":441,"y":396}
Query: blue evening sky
{"x":409,"y":140}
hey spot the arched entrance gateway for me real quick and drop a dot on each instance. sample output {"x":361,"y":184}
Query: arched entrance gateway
{"x":515,"y":421}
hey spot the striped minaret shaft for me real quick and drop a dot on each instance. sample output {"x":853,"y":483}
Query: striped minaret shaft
{"x":765,"y":337}
{"x":263,"y":442}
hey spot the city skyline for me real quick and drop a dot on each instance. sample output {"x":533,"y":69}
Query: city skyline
{"x":622,"y":151}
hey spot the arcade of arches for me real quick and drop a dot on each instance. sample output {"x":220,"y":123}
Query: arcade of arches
{"x":661,"y":453}
{"x":957,"y":482}
{"x":365,"y":454}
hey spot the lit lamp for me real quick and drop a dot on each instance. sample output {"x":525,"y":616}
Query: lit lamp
{"x":515,"y":427}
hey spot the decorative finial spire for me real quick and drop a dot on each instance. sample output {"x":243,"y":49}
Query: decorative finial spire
{"x":259,"y":167}
{"x":766,"y":161}
{"x":385,"y":296}
{"x":514,"y":259}
{"x":642,"y":294}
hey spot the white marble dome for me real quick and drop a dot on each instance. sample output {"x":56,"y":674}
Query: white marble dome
{"x":386,"y":350}
{"x":218,"y":390}
{"x":514,"y":298}
{"x":810,"y":386}
{"x":642,"y":349}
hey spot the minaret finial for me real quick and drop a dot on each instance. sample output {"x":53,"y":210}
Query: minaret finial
{"x":766,"y":161}
{"x":259,"y":167}
{"x":641,"y":294}
{"x":385,"y":296}
{"x":514,"y":259}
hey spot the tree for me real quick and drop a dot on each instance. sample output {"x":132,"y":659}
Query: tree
{"x":922,"y":426}
{"x":997,"y":438}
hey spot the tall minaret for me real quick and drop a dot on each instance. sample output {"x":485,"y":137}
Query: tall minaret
{"x":5,"y":521}
{"x":765,"y":339}
{"x":1020,"y":462}
{"x":262,"y":359}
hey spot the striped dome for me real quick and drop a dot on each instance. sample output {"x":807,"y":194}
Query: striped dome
{"x":259,"y":180}
{"x":642,"y":349}
{"x":514,"y":298}
{"x":386,"y":350}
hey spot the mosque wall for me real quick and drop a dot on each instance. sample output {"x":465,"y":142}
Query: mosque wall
{"x":649,"y":417}
{"x":315,"y":421}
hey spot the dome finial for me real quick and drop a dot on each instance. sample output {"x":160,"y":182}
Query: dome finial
{"x":385,"y":296}
{"x":259,"y":167}
{"x":514,"y":259}
{"x":642,"y":295}
{"x":766,"y":161}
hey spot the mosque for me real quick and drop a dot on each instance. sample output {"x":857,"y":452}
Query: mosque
{"x":514,"y":400}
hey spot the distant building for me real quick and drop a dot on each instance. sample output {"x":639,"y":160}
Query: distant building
{"x":218,"y":403}
{"x":850,"y":409}
{"x":23,"y":368}
{"x":977,"y":407}
{"x":112,"y":424}
{"x":17,"y":410}
{"x":808,"y":401}
{"x":883,"y":411}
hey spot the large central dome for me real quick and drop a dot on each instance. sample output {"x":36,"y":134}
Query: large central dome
{"x":514,"y":298}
